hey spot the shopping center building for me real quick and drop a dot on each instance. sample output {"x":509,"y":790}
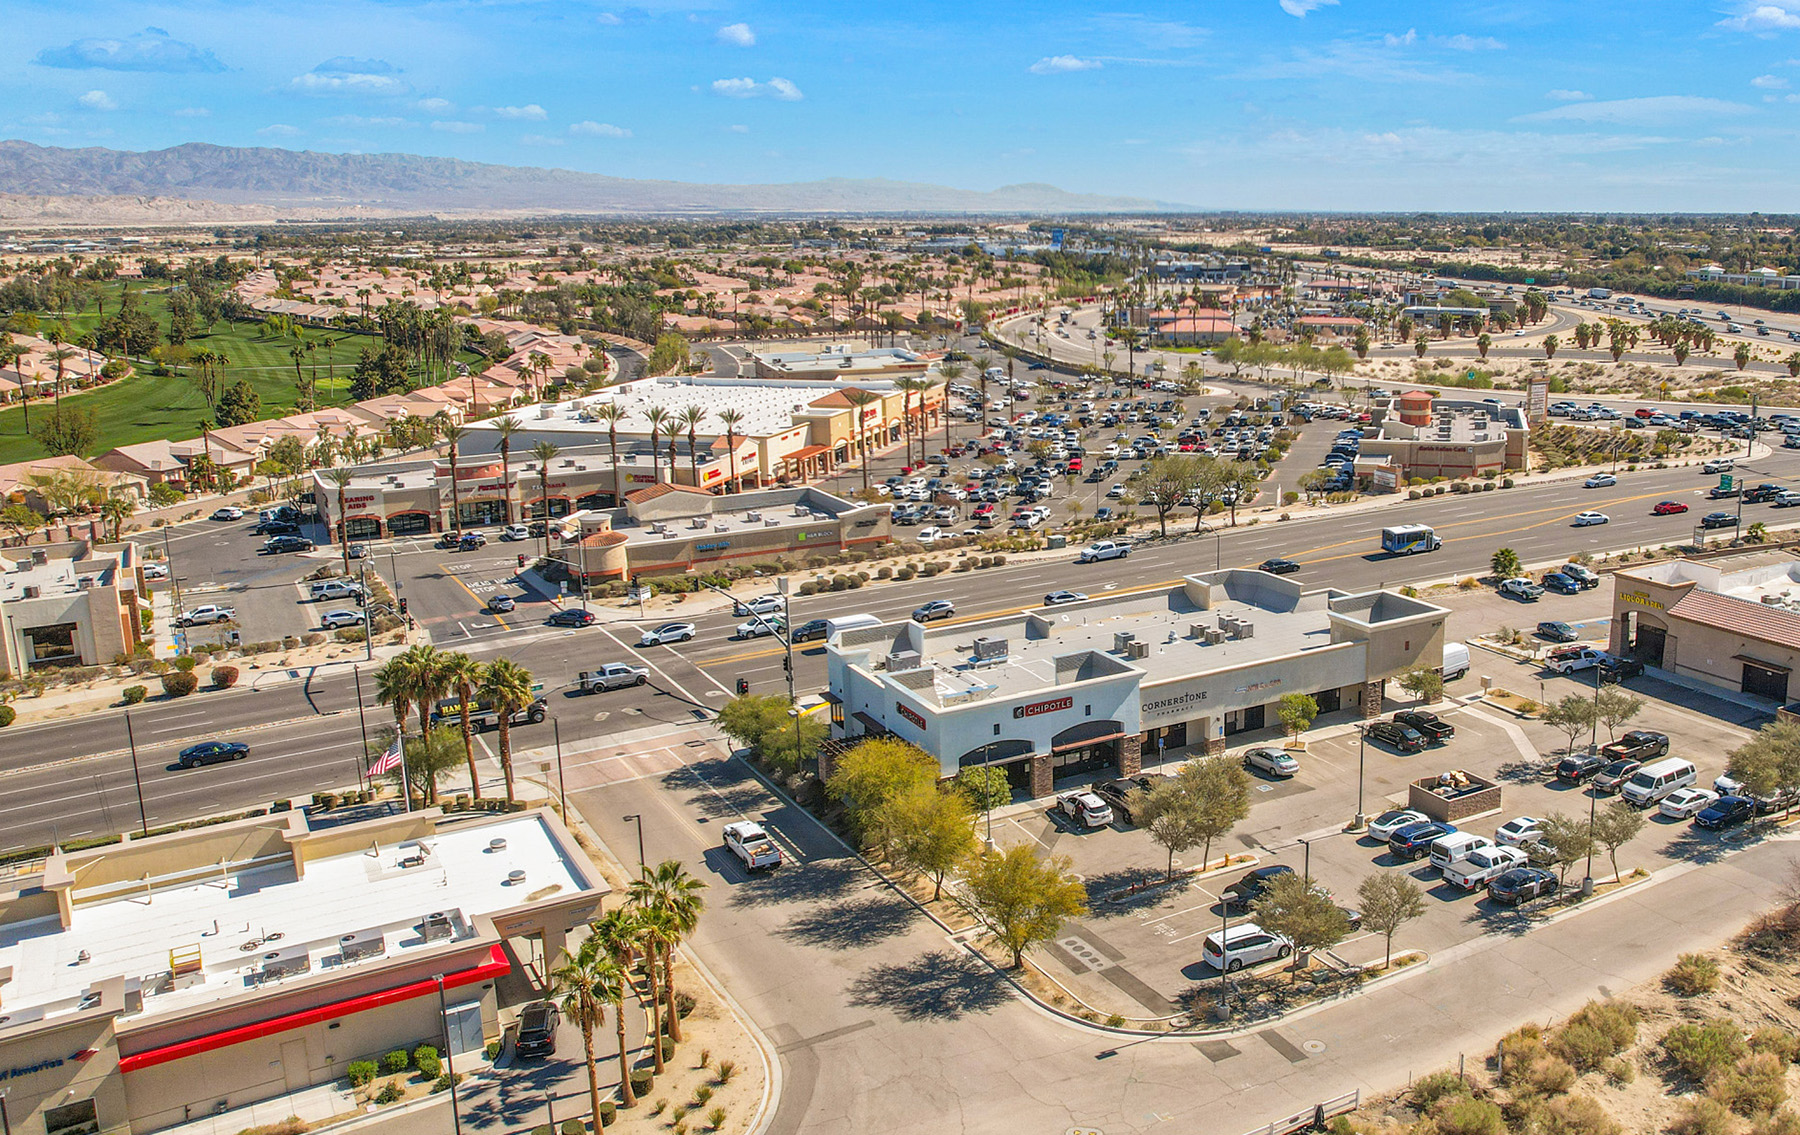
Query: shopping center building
{"x":1730,"y":626}
{"x":155,"y":981}
{"x":1119,"y":681}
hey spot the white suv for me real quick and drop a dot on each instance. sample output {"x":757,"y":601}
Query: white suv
{"x":1245,"y":944}
{"x":1719,"y":465}
{"x":752,"y":845}
{"x":1104,"y":550}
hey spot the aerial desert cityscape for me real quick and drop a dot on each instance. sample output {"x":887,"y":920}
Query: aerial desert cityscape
{"x":783,"y":571}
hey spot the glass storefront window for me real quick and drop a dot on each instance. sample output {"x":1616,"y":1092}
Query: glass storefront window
{"x":78,"y":1118}
{"x":51,"y":644}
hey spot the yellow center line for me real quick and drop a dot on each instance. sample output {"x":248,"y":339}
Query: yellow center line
{"x":479,"y":602}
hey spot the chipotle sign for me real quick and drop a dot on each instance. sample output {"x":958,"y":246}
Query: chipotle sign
{"x":1038,"y":707}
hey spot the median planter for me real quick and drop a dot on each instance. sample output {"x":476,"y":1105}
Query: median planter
{"x":1453,"y":796}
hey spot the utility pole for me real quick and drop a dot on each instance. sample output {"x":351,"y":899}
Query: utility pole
{"x":137,"y":778}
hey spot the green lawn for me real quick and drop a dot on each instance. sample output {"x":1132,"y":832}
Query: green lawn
{"x":146,"y":407}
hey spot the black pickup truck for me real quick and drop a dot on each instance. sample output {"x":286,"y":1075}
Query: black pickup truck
{"x":1637,"y":745}
{"x":1429,"y":725}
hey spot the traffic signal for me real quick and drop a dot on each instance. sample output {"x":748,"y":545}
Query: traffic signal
{"x":743,"y":686}
{"x":361,"y":599}
{"x":787,"y":664}
{"x":403,"y":606}
{"x":521,"y":561}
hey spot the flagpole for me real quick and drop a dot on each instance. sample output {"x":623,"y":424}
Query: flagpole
{"x":405,"y":784}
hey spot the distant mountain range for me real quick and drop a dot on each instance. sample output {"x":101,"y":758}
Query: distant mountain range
{"x":304,"y":184}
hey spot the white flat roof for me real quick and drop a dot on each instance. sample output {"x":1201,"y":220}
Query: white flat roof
{"x":242,"y":918}
{"x":768,"y":407}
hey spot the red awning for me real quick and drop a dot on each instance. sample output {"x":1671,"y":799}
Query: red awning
{"x":494,"y":967}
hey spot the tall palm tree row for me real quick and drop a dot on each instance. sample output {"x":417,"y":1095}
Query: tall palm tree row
{"x":731,"y":419}
{"x":463,"y":674}
{"x":659,"y":420}
{"x":690,"y":421}
{"x":673,"y":897}
{"x":340,"y":479}
{"x":452,"y":434}
{"x":610,"y":413}
{"x":544,"y":452}
{"x":506,"y":687}
{"x":416,"y":680}
{"x":587,"y":979}
{"x":506,"y":427}
{"x":859,"y":398}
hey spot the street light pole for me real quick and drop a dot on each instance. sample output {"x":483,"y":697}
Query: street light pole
{"x":1362,"y":753}
{"x":174,"y":579}
{"x":562,"y":786}
{"x":638,"y":818}
{"x":136,"y":777}
{"x":1587,"y":881}
{"x":449,"y":1056}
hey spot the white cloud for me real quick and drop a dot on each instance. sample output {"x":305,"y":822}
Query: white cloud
{"x":1565,"y":95}
{"x":98,"y":100}
{"x":1781,"y":15}
{"x":152,"y":49}
{"x":360,"y":121}
{"x":192,"y":112}
{"x":531,"y":111}
{"x":599,"y":130}
{"x":609,"y":19}
{"x":749,"y":88}
{"x":434,"y":105}
{"x":453,"y":127}
{"x":1062,"y":65}
{"x":740,"y":128}
{"x":1637,"y":112}
{"x":1468,"y":43}
{"x":1769,"y":83}
{"x":1299,"y":8}
{"x":1411,"y":37}
{"x":279,"y":130}
{"x":344,"y":75}
{"x":540,"y":140}
{"x":738,"y":35}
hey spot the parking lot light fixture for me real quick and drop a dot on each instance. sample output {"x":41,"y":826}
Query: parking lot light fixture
{"x":1361,"y":820}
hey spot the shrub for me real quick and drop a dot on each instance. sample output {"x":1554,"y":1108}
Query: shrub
{"x":349,"y":634}
{"x":1436,"y":1086}
{"x":1754,"y":1086}
{"x":1518,"y":1049}
{"x":1701,"y":1116}
{"x":360,"y":1072}
{"x":425,"y":1058}
{"x":1692,"y":975}
{"x":715,"y":1118}
{"x":492,"y":1050}
{"x":574,"y":1127}
{"x":1549,"y":1075}
{"x":1466,"y":1115}
{"x":1783,"y":1122}
{"x":1582,"y":1045}
{"x":389,"y":1093}
{"x":186,"y":663}
{"x":1701,"y":1050}
{"x":179,"y":684}
{"x":224,"y":677}
{"x":1777,"y":1042}
{"x":135,"y":694}
{"x":396,"y":1061}
{"x":1595,"y":1032}
{"x":727,"y":1069}
{"x":609,"y":1111}
{"x":642,"y":1080}
{"x":668,"y":1049}
{"x":703,"y":1093}
{"x":1620,"y":1071}
{"x":443,"y":1083}
{"x":1577,"y":1115}
{"x":685,"y":1004}
{"x":313,"y":638}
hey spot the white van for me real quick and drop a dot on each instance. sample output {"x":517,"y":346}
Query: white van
{"x":1456,"y":661}
{"x":1655,"y":781}
{"x":1245,"y":944}
{"x":1446,"y":850}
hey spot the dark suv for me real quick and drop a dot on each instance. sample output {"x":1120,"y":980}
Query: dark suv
{"x":1117,"y":793}
{"x":1414,"y":840}
{"x":1428,"y":725}
{"x":1250,"y":888}
{"x":1575,"y":769}
{"x":1614,"y":775}
{"x":1401,"y":737}
{"x":537,"y":1029}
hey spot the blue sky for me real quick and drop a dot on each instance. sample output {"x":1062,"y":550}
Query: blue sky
{"x":1250,"y":104}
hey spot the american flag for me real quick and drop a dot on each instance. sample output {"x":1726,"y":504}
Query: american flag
{"x":388,"y":761}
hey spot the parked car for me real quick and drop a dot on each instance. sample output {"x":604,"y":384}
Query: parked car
{"x":336,"y":589}
{"x":1519,"y":831}
{"x":1600,"y":481}
{"x":1270,"y":762}
{"x":515,"y":532}
{"x":1618,"y":669}
{"x":1613,"y":775}
{"x":538,"y":1023}
{"x":1637,"y":745}
{"x":1725,"y":812}
{"x":1278,"y":566}
{"x":1590,"y":518}
{"x":1481,"y":866}
{"x":1561,"y":584}
{"x":1668,"y":508}
{"x":357,"y":550}
{"x":1578,"y":767}
{"x":208,"y":613}
{"x":1427,"y":725}
{"x":156,"y":570}
{"x":1401,"y":737}
{"x":1084,"y":808}
{"x":571,"y":617}
{"x":1248,"y":888}
{"x":1117,"y":793}
{"x":1521,"y":885}
{"x":1556,"y":631}
{"x":212,"y":753}
{"x":1522,"y":589}
{"x":1415,"y":840}
{"x":1574,"y":659}
{"x":936,"y":609}
{"x":1719,"y":465}
{"x":747,"y":840}
{"x":1385,"y":825}
{"x":331,"y":620}
{"x":1057,"y":598}
{"x":666,"y":634}
{"x":1103,"y":550}
{"x":809,"y":630}
{"x":1245,"y":944}
{"x":281,"y":545}
{"x":611,"y":676}
{"x":1686,"y":803}
{"x":757,"y":628}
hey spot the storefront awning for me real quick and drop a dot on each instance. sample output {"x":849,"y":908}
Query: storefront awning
{"x":869,"y":724}
{"x":1087,"y":742}
{"x":1775,"y":666}
{"x":807,"y":451}
{"x":832,"y":698}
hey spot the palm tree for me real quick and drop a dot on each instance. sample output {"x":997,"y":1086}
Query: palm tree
{"x":858,"y":398}
{"x":669,"y":889}
{"x":506,"y":427}
{"x":909,"y":386}
{"x":463,"y":674}
{"x":656,"y":934}
{"x":731,"y":418}
{"x":545,"y":452}
{"x":395,"y":685}
{"x":611,"y":413}
{"x":453,"y":435}
{"x":690,"y":421}
{"x":506,"y":687}
{"x":618,"y":931}
{"x":658,"y":418}
{"x":428,"y":681}
{"x":583,"y":979}
{"x":340,"y":480}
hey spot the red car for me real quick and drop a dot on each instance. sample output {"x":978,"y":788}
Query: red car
{"x":1644,"y":412}
{"x":984,"y":510}
{"x":1667,"y":508}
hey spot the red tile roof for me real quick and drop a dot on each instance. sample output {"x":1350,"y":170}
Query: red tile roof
{"x":662,"y":490}
{"x":1740,"y":616}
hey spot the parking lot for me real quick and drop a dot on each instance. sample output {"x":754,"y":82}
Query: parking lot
{"x":1141,"y":955}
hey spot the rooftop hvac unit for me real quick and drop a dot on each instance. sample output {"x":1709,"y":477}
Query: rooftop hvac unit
{"x":753,"y":517}
{"x":40,"y":557}
{"x":990,"y":648}
{"x":1246,"y":629}
{"x":362,"y":945}
{"x":904,"y":660}
{"x":32,"y":591}
{"x":1197,"y":630}
{"x":1214,"y":636}
{"x":286,"y":962}
{"x":1138,"y":650}
{"x":1122,"y":641}
{"x":772,"y":522}
{"x":721,"y":528}
{"x":438,"y":926}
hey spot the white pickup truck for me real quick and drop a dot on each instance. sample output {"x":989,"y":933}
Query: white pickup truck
{"x":612,"y":676}
{"x":1104,"y":550}
{"x":747,"y":840}
{"x":1473,"y":870}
